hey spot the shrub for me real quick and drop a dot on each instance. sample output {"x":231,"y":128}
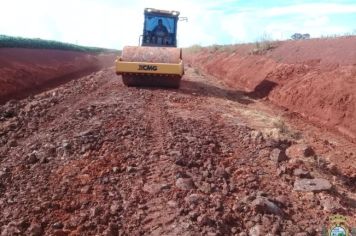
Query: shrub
{"x":263,"y":45}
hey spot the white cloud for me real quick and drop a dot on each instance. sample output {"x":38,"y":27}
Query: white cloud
{"x":115,"y":23}
{"x":310,"y":9}
{"x":281,"y":22}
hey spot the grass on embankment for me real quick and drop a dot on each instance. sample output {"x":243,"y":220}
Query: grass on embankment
{"x":36,"y":43}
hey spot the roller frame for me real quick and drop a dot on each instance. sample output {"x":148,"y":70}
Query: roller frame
{"x":124,"y":67}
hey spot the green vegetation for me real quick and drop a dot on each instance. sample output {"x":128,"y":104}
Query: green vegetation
{"x":19,"y":42}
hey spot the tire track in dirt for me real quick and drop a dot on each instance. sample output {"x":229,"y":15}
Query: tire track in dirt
{"x":160,"y":218}
{"x":126,"y":149}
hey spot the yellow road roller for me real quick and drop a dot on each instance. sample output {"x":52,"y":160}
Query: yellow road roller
{"x":157,"y":62}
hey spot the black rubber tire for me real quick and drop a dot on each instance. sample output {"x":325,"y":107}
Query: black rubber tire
{"x":151,"y":81}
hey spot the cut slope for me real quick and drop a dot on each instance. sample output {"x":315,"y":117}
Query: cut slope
{"x":315,"y":78}
{"x":23,"y":71}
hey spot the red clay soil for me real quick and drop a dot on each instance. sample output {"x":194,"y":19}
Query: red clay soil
{"x":94,"y":157}
{"x":27,"y":71}
{"x":314,"y":78}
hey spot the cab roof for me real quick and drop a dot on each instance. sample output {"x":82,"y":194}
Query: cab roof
{"x":162,"y":12}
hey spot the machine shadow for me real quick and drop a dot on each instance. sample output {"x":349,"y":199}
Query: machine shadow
{"x":207,"y":90}
{"x":262,"y":90}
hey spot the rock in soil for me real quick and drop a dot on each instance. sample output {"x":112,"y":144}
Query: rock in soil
{"x":94,"y":157}
{"x":301,"y":173}
{"x":35,"y":230}
{"x":256,"y":230}
{"x":264,"y":205}
{"x":312,"y":185}
{"x":300,"y":151}
{"x":185,"y":183}
{"x":277,"y":155}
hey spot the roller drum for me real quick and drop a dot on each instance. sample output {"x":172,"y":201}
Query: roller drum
{"x":151,"y":54}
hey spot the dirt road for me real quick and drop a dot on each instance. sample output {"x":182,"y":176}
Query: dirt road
{"x":93,"y":157}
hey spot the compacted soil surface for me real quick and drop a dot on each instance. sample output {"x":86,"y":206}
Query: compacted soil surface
{"x":93,"y":157}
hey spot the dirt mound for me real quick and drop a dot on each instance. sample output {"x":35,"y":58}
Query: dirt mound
{"x":27,"y":71}
{"x":314,"y":78}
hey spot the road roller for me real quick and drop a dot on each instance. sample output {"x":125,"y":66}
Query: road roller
{"x":156,"y":62}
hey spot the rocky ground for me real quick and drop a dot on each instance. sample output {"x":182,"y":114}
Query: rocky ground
{"x":93,"y":157}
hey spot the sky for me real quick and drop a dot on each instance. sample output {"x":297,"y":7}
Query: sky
{"x":116,"y":23}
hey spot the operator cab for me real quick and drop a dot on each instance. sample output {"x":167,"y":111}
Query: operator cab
{"x":160,"y":28}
